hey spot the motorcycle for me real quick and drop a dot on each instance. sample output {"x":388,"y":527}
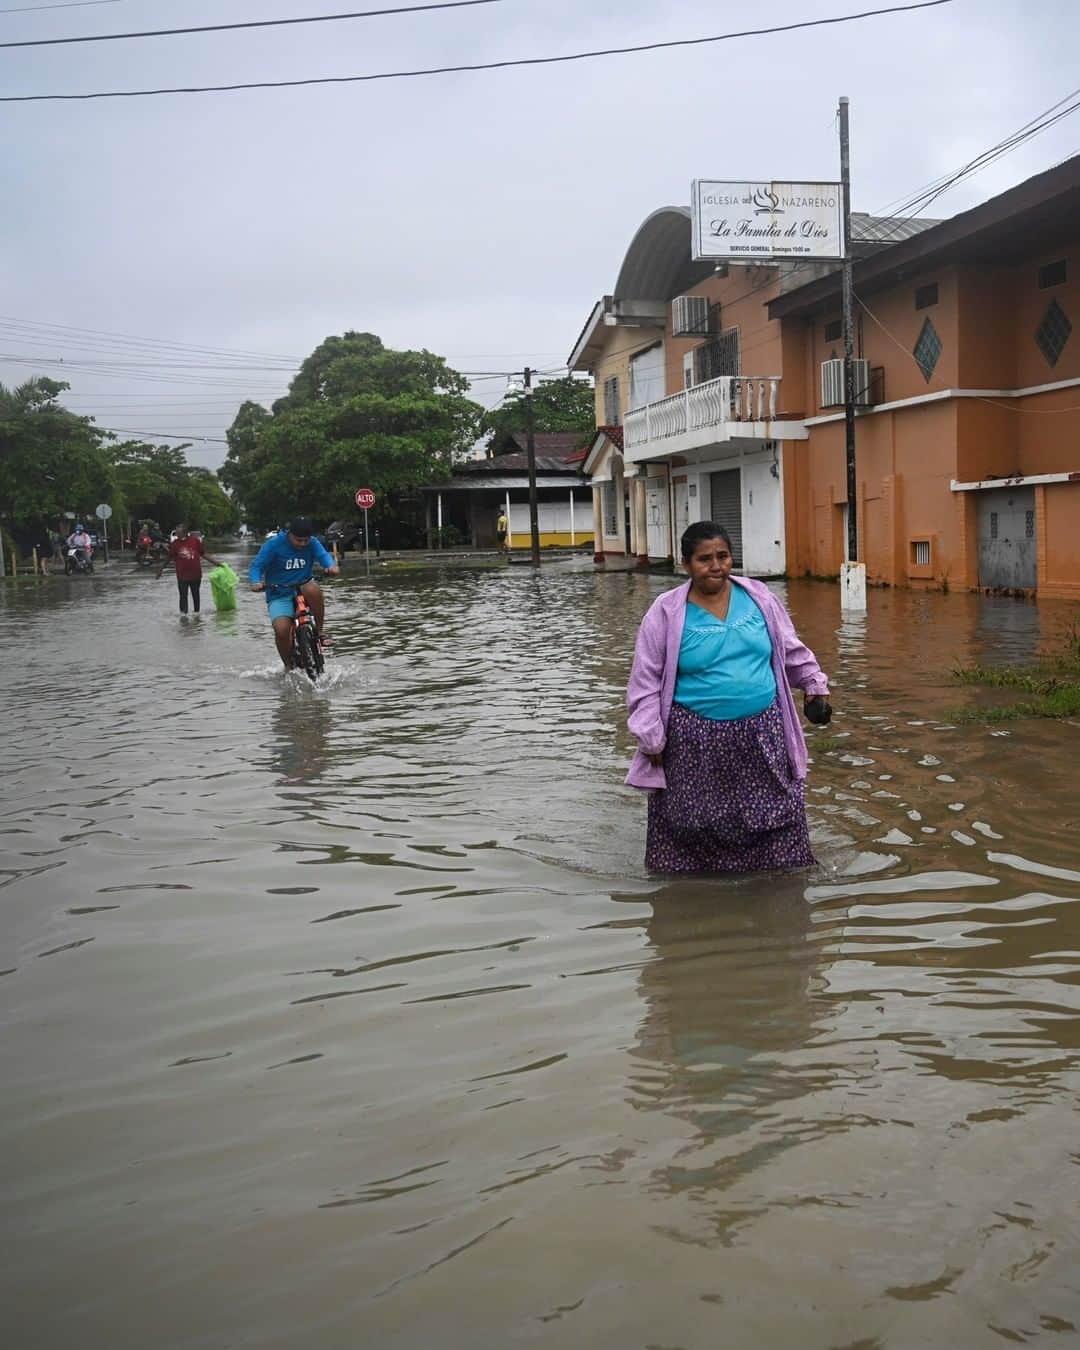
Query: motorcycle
{"x":148,"y":550}
{"x":77,"y":560}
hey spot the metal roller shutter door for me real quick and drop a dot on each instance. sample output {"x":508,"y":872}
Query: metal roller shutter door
{"x":725,"y":507}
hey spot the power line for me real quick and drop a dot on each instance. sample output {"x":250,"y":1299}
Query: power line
{"x":10,"y":320}
{"x":68,"y":4}
{"x":483,"y":65}
{"x":951,"y":176}
{"x":1006,"y":146}
{"x":165,"y":435}
{"x":252,"y":23}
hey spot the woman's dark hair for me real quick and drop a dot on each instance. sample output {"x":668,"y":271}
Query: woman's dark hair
{"x":697,"y":534}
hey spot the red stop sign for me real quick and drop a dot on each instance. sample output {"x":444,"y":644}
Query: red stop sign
{"x":365,"y":498}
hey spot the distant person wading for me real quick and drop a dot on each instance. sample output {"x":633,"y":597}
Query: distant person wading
{"x":721,"y":749}
{"x":186,"y":554}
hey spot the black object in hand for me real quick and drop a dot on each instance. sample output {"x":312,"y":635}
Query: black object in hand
{"x":818,"y":710}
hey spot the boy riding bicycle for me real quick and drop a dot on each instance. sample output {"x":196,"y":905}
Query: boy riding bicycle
{"x":284,"y":566}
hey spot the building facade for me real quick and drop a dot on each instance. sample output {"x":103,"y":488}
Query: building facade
{"x":701,"y":399}
{"x":968,"y":437}
{"x":467,"y":506}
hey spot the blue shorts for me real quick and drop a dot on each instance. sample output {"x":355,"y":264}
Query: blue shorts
{"x":280,"y":607}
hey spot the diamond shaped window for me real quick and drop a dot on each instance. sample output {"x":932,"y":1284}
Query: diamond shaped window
{"x":927,"y":350}
{"x":1053,"y":333}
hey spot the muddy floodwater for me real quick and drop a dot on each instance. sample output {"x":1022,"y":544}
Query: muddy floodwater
{"x":349,"y":1017}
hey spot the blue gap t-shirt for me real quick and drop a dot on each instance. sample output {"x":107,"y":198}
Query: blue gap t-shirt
{"x":725,"y":666}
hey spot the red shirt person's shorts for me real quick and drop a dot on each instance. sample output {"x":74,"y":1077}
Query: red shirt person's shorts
{"x":187,"y":554}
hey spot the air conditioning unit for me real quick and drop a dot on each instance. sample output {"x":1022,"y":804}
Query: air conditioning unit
{"x":690,"y":316}
{"x":832,"y":384}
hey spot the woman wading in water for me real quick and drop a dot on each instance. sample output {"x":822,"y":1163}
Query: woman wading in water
{"x":720,"y":744}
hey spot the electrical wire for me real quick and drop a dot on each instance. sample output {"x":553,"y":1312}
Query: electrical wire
{"x":951,"y":176}
{"x":9,"y":320}
{"x":476,"y":66}
{"x":911,"y":208}
{"x":68,"y":4}
{"x":165,"y":435}
{"x":251,"y":23}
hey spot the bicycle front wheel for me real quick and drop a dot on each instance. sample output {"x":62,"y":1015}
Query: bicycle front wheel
{"x":308,"y":656}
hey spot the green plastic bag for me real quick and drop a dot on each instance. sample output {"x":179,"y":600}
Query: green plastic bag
{"x":223,"y":583}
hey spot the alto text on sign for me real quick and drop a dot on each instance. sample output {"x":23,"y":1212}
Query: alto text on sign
{"x":365,"y":498}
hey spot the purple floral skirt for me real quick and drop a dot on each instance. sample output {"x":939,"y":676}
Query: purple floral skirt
{"x":731,"y":803}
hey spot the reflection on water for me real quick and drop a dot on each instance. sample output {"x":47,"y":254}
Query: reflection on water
{"x":347,"y":1015}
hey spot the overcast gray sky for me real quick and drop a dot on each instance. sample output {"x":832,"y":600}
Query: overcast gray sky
{"x":478,"y":215}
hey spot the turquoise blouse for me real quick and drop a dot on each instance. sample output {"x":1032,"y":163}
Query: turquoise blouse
{"x":725,"y":666}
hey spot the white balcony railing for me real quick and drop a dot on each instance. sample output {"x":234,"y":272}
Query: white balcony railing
{"x":731,"y":398}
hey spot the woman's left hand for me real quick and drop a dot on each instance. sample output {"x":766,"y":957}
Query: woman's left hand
{"x":817,"y":709}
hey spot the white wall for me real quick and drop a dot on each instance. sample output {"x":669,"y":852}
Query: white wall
{"x":764,"y":551}
{"x":553,"y":516}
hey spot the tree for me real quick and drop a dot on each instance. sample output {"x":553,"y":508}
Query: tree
{"x":156,"y":482}
{"x":357,"y":414}
{"x":566,"y":404}
{"x":51,"y":459}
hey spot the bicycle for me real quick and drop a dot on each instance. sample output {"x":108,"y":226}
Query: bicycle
{"x":307,"y":651}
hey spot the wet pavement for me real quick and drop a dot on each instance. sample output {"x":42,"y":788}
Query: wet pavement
{"x":348,"y":1016}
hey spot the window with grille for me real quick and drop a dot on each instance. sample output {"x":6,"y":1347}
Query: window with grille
{"x":1029,"y":524}
{"x":1053,"y":333}
{"x":925,"y":296}
{"x":716,"y":358}
{"x":927,"y":350}
{"x":993,"y":524}
{"x":611,"y":516}
{"x":834,"y":331}
{"x":920,"y":552}
{"x":1053,"y":274}
{"x":611,"y":401}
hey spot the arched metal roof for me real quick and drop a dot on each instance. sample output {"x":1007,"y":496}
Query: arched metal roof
{"x":657,"y":265}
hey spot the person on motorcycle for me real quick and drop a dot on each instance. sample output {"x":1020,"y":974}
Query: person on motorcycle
{"x":78,"y":538}
{"x":284,"y":566}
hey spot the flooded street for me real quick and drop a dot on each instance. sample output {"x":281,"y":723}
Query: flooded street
{"x":349,"y":1016}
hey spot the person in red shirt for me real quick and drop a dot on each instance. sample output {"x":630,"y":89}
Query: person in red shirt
{"x":186,"y":554}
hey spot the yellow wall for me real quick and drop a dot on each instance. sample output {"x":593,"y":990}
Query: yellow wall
{"x":555,"y":539}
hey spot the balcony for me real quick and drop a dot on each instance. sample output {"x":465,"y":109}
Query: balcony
{"x":732,"y":407}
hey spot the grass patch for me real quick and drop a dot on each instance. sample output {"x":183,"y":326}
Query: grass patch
{"x":1052,"y":685}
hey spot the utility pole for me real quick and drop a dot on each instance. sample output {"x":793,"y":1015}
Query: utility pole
{"x":852,"y":572}
{"x":530,"y":443}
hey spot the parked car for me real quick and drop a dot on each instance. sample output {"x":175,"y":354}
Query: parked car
{"x":345,"y":533}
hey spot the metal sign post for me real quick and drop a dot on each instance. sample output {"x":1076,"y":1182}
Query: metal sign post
{"x":852,"y":572}
{"x":103,"y":513}
{"x":365,"y":500}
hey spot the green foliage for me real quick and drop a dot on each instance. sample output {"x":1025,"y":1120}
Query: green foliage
{"x":1053,"y":684}
{"x":51,"y":460}
{"x":156,"y":482}
{"x":357,"y":414}
{"x":566,"y":404}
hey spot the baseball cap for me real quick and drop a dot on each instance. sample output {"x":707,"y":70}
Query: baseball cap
{"x":301,"y":527}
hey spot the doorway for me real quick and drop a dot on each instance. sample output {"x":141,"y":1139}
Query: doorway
{"x":1006,"y":538}
{"x":725,"y":508}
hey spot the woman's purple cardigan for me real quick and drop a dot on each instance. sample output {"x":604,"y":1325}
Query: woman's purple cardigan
{"x":651,"y":690}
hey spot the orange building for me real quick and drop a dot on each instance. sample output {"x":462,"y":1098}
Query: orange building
{"x":968,"y":437}
{"x":701,"y":398}
{"x":719,"y":394}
